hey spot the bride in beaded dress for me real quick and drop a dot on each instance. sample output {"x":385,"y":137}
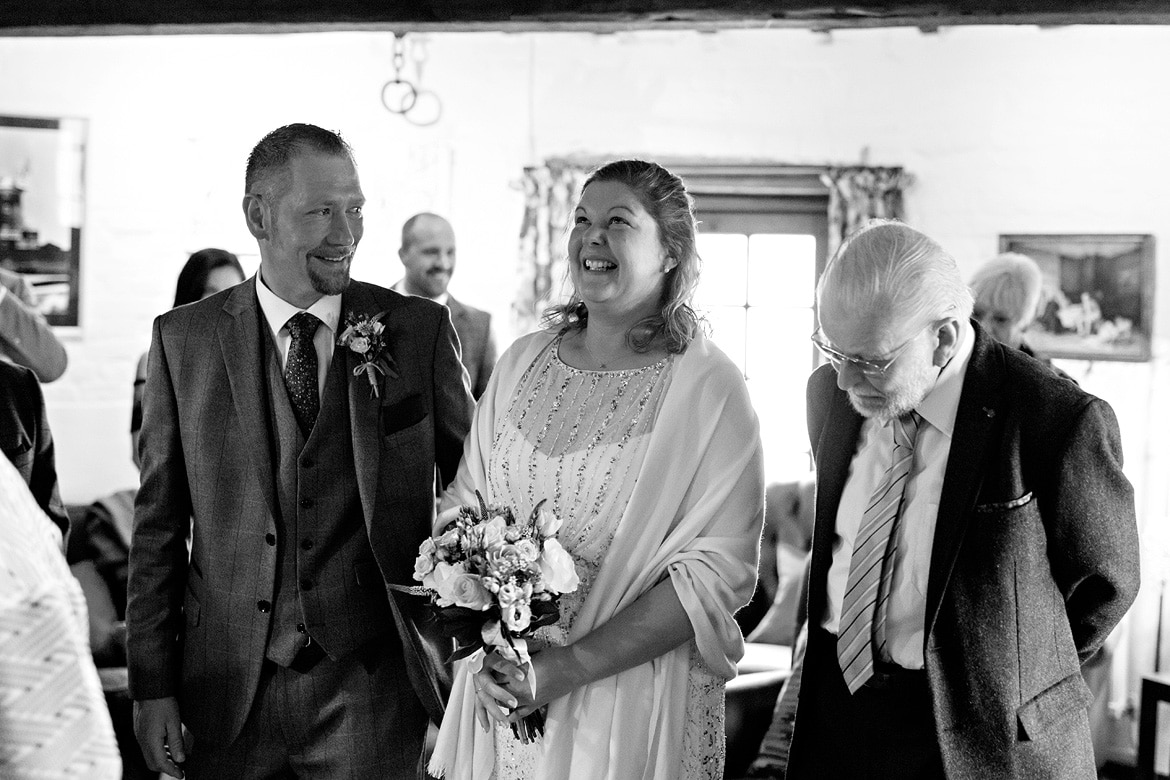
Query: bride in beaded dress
{"x":638,"y":433}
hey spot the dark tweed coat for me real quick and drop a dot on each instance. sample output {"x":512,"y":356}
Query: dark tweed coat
{"x":1035,"y":560}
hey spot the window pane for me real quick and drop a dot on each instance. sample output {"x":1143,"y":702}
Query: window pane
{"x":727,"y":331}
{"x":779,"y":360}
{"x":723,"y":281}
{"x":782,"y":269}
{"x":778,"y":345}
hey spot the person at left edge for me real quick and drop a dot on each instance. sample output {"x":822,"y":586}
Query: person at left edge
{"x":27,"y":441}
{"x":280,"y":645}
{"x":26,"y":338}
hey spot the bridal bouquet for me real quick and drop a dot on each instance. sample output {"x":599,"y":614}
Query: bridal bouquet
{"x":494,"y":580}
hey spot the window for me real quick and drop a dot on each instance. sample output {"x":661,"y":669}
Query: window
{"x":762,"y":237}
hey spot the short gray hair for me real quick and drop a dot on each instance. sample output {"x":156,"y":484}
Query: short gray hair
{"x":887,"y":265}
{"x":1011,"y":283}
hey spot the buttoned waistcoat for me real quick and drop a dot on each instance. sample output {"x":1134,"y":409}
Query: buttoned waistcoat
{"x":197,"y":628}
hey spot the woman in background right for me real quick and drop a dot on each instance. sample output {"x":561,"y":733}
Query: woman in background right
{"x":1007,"y":293}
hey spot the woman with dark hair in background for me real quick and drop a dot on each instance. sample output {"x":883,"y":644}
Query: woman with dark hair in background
{"x":205,"y":273}
{"x":639,"y":434}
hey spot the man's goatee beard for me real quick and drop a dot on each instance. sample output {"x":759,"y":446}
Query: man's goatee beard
{"x":332,"y":284}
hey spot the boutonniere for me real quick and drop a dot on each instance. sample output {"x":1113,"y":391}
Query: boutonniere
{"x":363,"y":337}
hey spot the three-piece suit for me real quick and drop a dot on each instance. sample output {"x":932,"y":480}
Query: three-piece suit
{"x":291,"y":536}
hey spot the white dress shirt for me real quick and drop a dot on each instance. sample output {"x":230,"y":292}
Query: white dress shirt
{"x":277,"y":312}
{"x":906,"y":608}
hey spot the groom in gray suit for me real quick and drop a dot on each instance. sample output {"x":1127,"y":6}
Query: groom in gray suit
{"x":303,"y":484}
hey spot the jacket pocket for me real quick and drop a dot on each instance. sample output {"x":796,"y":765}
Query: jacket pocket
{"x":1052,"y":705}
{"x":1004,"y":506}
{"x":367,"y":575}
{"x":403,"y":414}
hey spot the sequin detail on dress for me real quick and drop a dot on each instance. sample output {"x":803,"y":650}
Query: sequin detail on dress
{"x":578,"y":439}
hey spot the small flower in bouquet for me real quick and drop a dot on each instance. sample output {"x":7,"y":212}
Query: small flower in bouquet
{"x":494,"y":580}
{"x":363,"y":336}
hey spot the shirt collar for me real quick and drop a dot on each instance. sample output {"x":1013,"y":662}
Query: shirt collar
{"x":941,"y":405}
{"x":277,"y":311}
{"x":400,"y":287}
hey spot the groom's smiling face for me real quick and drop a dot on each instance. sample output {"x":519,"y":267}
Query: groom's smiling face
{"x":312,"y":223}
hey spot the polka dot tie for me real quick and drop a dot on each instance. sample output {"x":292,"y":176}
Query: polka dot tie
{"x":300,"y":370}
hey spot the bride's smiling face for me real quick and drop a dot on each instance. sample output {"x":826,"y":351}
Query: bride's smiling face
{"x":616,"y":258}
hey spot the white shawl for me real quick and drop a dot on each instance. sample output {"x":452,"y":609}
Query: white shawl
{"x":695,"y":514}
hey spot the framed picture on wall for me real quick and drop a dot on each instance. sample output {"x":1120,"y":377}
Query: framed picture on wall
{"x":42,"y":208}
{"x":1098,"y":296}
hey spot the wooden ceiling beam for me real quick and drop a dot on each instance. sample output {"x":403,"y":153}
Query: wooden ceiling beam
{"x":160,"y":17}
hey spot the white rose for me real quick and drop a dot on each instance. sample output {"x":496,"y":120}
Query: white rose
{"x":527,"y":550}
{"x":449,"y":542}
{"x":547,"y":523}
{"x":359,"y":344}
{"x":466,"y":590}
{"x":493,"y":533}
{"x":557,"y":569}
{"x":425,"y":561}
{"x":439,"y":577}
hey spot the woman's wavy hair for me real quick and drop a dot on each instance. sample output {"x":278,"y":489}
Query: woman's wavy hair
{"x":665,"y":198}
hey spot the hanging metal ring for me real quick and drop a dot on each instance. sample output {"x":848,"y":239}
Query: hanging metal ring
{"x":428,"y":111}
{"x":406,"y":99}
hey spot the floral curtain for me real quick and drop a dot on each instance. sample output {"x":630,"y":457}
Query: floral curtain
{"x":550,"y":192}
{"x":857,"y":194}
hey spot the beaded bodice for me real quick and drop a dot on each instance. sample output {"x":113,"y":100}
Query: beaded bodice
{"x":576,"y":439}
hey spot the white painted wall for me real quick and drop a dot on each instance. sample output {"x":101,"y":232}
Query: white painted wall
{"x":1008,"y":130}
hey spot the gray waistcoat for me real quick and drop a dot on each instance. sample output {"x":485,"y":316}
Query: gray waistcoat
{"x":327,"y":582}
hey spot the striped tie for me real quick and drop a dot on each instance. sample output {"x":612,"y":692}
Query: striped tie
{"x":870,"y":568}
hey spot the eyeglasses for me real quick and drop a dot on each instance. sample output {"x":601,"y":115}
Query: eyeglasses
{"x":871,"y":368}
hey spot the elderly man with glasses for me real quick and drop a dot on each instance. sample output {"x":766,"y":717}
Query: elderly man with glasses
{"x":975,"y":537}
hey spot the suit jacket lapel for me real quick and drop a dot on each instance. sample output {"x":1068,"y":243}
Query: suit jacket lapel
{"x":457,"y":309}
{"x":979,"y":417}
{"x":364,"y":408}
{"x":837,"y":443}
{"x":240,"y":334}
